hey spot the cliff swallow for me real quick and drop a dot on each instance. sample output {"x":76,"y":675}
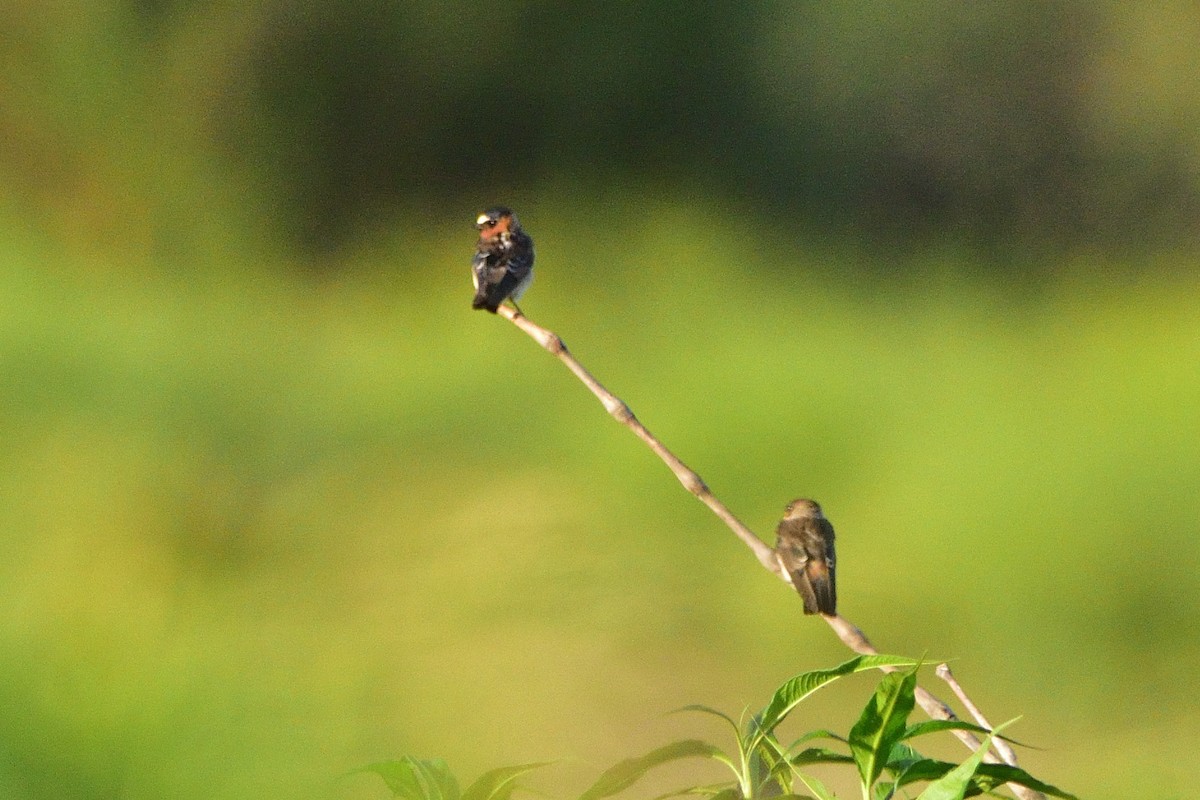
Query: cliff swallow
{"x":804,"y":548}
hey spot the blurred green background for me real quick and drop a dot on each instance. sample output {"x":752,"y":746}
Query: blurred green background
{"x":275,"y":503}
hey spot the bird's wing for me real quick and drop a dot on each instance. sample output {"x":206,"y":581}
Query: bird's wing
{"x":792,"y":555}
{"x":478,"y":266}
{"x":509,"y":280}
{"x":822,"y":565}
{"x":520,"y":257}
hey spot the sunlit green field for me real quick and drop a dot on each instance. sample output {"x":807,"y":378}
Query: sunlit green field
{"x":262,"y":527}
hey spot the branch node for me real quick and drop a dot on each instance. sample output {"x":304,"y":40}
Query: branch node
{"x":694,"y":483}
{"x":619,"y":409}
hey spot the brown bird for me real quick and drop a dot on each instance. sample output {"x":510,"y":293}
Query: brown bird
{"x":804,"y":548}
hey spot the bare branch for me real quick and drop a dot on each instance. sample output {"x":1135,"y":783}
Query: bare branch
{"x":1002,"y":749}
{"x":849,"y":633}
{"x":857,"y":641}
{"x":622,"y":414}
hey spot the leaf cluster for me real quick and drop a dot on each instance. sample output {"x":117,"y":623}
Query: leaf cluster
{"x":431,"y":779}
{"x":879,"y":746}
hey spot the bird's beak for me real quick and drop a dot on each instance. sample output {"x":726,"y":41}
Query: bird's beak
{"x":483,"y":220}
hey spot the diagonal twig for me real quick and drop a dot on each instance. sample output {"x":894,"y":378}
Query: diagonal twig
{"x":1002,"y":749}
{"x":849,"y":633}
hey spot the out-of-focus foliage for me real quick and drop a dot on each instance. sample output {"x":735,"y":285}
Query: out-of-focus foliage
{"x":761,"y":765}
{"x":274,"y":503}
{"x":1016,"y":126}
{"x":1000,"y":123}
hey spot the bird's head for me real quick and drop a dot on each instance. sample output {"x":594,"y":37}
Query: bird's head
{"x":495,"y":221}
{"x":799,"y":509}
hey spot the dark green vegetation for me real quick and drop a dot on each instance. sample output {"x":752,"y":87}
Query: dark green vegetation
{"x":274,"y":503}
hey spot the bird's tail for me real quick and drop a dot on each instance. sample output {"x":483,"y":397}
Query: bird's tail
{"x":481,"y":301}
{"x":824,"y":594}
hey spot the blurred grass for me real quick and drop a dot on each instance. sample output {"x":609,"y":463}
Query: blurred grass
{"x":263,"y":527}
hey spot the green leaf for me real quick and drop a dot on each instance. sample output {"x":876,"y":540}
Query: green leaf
{"x":882,"y":723}
{"x":987,"y":777}
{"x":763,"y":753}
{"x":817,"y":734}
{"x":997,"y":774}
{"x":703,"y":709}
{"x":820,"y":755}
{"x":709,"y":710}
{"x":938,"y":725}
{"x":731,"y":793}
{"x":417,"y":779}
{"x":816,"y":787}
{"x":710,"y":790}
{"x":498,"y":784}
{"x":623,"y":775}
{"x":954,"y":784}
{"x":924,"y":769}
{"x":794,"y":691}
{"x":902,"y":756}
{"x":789,"y":764}
{"x":813,"y":755}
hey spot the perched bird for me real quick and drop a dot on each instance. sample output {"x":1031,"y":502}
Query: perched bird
{"x":804,"y":548}
{"x":503,"y":264}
